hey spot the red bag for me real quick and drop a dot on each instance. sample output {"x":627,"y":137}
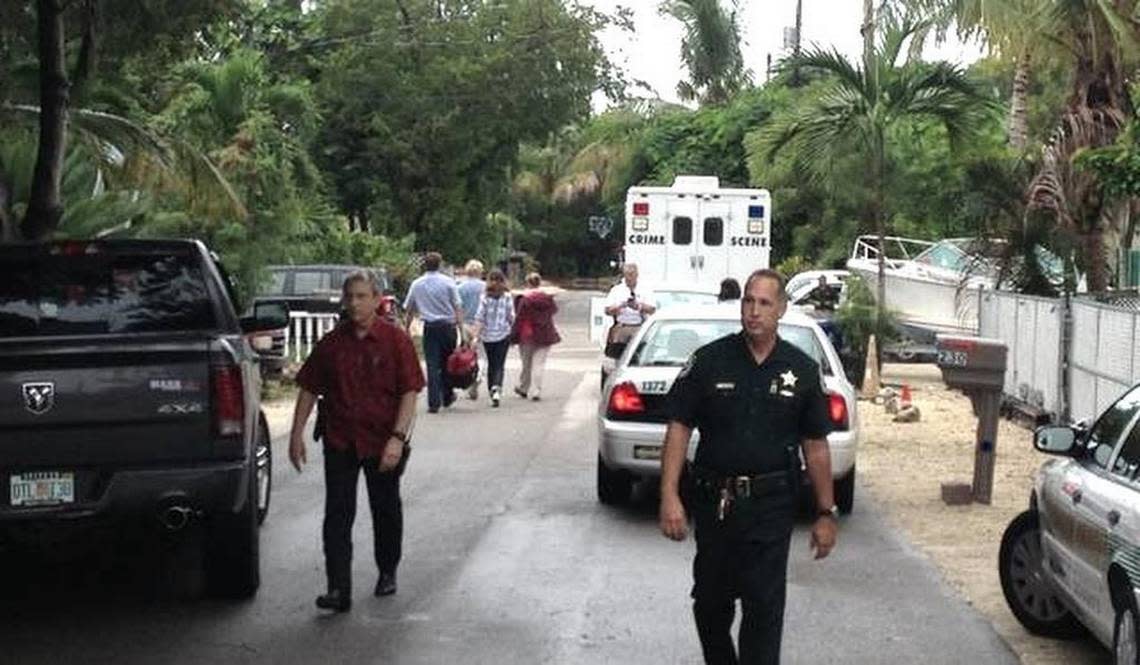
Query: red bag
{"x":463,"y":367}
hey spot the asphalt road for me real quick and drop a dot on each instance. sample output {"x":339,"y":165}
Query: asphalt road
{"x":508,"y":558}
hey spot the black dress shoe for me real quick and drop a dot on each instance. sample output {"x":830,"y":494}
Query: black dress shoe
{"x":335,"y":600}
{"x":386,"y":585}
{"x":448,"y":398}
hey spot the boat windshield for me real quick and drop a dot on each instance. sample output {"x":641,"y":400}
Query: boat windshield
{"x":945,"y":255}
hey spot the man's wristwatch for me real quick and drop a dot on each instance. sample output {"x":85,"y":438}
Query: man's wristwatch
{"x":832,"y":512}
{"x":401,"y":436}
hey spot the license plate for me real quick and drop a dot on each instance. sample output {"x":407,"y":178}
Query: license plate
{"x":41,"y":488}
{"x":647,"y":452}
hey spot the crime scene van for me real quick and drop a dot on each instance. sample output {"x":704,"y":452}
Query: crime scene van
{"x":692,"y":234}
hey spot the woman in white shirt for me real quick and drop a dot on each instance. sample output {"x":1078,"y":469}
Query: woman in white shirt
{"x":493,"y":324}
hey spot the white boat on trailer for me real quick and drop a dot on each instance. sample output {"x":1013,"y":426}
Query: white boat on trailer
{"x":931,"y":287}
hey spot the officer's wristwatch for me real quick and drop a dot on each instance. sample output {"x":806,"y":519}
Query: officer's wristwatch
{"x":403,"y":437}
{"x":832,"y":512}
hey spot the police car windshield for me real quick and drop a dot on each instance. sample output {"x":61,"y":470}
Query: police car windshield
{"x":670,"y":298}
{"x":670,"y":343}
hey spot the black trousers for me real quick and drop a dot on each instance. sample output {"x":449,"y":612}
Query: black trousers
{"x":342,"y":469}
{"x":496,"y":361}
{"x":439,"y":342}
{"x":744,"y":556}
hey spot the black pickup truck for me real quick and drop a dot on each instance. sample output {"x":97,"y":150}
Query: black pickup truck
{"x":129,"y":396}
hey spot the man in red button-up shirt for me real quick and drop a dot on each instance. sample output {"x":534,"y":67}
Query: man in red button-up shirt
{"x":367,"y":371}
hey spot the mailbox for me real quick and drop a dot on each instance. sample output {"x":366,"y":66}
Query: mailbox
{"x":976,"y":366}
{"x":972,"y":362}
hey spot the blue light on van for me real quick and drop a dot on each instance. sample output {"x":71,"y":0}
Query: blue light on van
{"x":755,"y":212}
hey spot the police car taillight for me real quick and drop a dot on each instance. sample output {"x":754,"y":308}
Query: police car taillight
{"x":228,"y":400}
{"x":625,"y":400}
{"x":837,"y":411}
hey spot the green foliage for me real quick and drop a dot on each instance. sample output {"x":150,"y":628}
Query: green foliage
{"x":793,"y":265}
{"x":710,"y":50}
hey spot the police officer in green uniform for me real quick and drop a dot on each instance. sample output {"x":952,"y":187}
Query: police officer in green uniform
{"x":755,"y":399}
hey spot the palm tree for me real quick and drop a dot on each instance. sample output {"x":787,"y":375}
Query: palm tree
{"x":710,"y":50}
{"x":1014,"y":29}
{"x":122,"y":154}
{"x":862,"y":105}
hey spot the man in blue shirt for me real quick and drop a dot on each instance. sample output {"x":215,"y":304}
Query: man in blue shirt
{"x":471,"y":290}
{"x":434,"y":297}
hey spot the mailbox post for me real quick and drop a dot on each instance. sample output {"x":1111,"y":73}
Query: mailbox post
{"x":976,"y":366}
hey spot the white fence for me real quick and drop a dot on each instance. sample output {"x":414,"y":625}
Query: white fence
{"x":1105,"y":360}
{"x":1033,"y":329}
{"x":305,"y":329}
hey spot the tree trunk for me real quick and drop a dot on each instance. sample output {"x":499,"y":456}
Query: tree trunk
{"x":1094,"y":261}
{"x":867,"y":29}
{"x":45,"y":207}
{"x":1019,"y":103}
{"x":8,"y":231}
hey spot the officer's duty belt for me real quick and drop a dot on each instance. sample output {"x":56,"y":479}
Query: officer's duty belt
{"x":741,"y":486}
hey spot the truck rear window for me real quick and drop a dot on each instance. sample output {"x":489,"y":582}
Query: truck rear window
{"x":93,"y":294}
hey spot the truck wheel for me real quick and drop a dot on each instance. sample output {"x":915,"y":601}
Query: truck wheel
{"x":845,"y":492}
{"x":614,"y":487}
{"x":1028,"y":592}
{"x":264,"y":459}
{"x":232,"y":549}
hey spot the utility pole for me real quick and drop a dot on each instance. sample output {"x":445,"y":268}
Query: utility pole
{"x":798,"y":41}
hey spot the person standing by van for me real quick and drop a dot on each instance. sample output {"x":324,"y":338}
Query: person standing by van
{"x":492,"y":324}
{"x":630,"y":305}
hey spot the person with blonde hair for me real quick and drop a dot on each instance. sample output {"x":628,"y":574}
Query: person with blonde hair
{"x":492,"y":324}
{"x":535,"y":331}
{"x":471,"y":288}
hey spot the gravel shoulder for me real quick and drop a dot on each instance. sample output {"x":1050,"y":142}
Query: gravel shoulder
{"x":903,"y":466}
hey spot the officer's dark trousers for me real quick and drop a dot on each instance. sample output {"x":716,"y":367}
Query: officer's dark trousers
{"x":439,"y":342}
{"x":746,"y":557}
{"x":342,"y":469}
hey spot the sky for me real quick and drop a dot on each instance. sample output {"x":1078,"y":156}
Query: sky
{"x":653,"y":52}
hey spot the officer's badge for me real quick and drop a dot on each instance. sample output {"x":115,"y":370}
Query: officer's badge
{"x":789,"y":378}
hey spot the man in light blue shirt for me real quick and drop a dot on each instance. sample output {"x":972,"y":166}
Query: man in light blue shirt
{"x":471,"y":289}
{"x":434,"y":297}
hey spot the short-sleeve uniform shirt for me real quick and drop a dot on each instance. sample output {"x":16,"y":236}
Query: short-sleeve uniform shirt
{"x":362,"y":381}
{"x":749,"y":415}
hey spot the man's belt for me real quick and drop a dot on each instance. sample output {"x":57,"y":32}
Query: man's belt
{"x":742,"y":486}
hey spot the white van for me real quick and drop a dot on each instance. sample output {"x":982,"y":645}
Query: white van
{"x":691,"y":236}
{"x":697,"y":233}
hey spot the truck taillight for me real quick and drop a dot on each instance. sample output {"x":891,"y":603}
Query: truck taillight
{"x":229,"y":400}
{"x":641,"y":209}
{"x":625,"y":400}
{"x":837,"y":411}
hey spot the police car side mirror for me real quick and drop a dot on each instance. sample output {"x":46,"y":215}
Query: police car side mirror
{"x":1055,"y":440}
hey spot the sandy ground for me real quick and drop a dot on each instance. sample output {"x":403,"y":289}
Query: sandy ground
{"x":903,"y":467}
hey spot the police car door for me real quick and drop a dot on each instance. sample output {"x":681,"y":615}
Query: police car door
{"x":712,"y":255}
{"x":681,"y":239}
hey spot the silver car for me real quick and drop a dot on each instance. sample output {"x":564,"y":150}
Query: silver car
{"x":1072,"y":561}
{"x":631,"y":415}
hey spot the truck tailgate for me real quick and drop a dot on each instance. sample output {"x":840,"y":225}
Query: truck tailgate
{"x":104,"y":402}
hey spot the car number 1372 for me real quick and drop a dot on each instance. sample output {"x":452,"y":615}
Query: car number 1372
{"x":950,"y":358}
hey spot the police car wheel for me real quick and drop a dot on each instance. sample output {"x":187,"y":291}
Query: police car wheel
{"x":1125,"y":641}
{"x":614,"y":487}
{"x":1027,"y":590}
{"x":845,"y":492}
